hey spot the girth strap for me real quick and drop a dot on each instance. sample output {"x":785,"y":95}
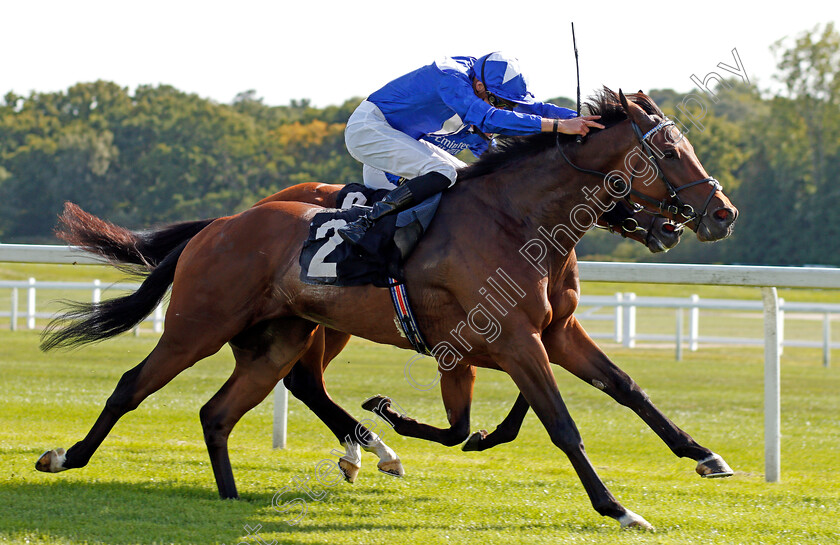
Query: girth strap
{"x":406,"y":318}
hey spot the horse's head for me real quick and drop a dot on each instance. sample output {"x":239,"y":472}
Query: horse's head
{"x":687,"y":194}
{"x":656,"y":232}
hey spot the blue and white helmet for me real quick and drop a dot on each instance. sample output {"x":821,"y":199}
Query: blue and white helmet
{"x":502,"y":77}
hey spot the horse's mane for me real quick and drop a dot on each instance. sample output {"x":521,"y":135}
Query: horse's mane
{"x":605,"y":103}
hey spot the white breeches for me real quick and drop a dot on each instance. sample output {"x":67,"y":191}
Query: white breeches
{"x":382,"y":148}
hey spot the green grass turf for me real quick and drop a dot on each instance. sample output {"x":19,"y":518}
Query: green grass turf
{"x":151,"y":482}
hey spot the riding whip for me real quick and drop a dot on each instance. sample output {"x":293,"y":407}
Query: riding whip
{"x":579,"y":138}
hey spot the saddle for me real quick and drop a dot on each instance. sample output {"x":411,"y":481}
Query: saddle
{"x":378,"y":259}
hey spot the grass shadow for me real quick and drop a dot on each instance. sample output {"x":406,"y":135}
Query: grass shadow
{"x":121,"y":514}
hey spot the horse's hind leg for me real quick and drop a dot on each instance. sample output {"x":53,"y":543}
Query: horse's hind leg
{"x":264,"y":355}
{"x":504,"y":432}
{"x":170,"y":356}
{"x":569,"y":346}
{"x":456,"y":387}
{"x":306,"y":382}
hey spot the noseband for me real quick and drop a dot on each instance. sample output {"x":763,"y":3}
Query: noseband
{"x":620,"y":220}
{"x":678,"y":208}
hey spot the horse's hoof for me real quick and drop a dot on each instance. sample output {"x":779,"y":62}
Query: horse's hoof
{"x":393,"y":468}
{"x":372,"y":403}
{"x":713,"y":467}
{"x":52,"y":461}
{"x":474,"y":441}
{"x":631,"y":520}
{"x":349,"y":469}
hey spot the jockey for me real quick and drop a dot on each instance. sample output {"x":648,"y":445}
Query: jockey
{"x":413,"y":126}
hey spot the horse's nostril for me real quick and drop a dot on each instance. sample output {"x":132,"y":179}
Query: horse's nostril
{"x":669,"y":228}
{"x":722,"y":214}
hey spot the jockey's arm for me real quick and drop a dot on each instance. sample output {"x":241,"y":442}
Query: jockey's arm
{"x":568,"y":121}
{"x":574,"y":125}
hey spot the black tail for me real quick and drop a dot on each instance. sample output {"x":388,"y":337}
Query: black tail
{"x":92,"y":322}
{"x":134,"y":251}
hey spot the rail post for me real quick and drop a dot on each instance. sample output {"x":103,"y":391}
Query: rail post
{"x":781,"y":326}
{"x":14,"y":316}
{"x":281,"y":411}
{"x":30,"y":304}
{"x":772,"y":387}
{"x":157,"y":320}
{"x":629,"y":321}
{"x":619,"y":312}
{"x":694,"y":324}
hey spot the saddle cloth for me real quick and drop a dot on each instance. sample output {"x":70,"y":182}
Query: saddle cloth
{"x":327,"y":259}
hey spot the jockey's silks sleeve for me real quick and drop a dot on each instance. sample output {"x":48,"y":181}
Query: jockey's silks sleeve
{"x":438,"y":100}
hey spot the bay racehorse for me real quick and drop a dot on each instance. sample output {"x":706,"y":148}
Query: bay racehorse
{"x":305,"y":380}
{"x":654,"y":231}
{"x":237,"y":281}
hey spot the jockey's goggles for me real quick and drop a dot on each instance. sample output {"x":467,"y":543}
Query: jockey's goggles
{"x":500,"y":103}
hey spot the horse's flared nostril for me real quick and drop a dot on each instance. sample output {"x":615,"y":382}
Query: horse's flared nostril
{"x":725,"y":215}
{"x":672,"y":228}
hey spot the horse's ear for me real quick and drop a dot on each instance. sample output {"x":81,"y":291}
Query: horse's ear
{"x":633,"y":111}
{"x":623,"y":99}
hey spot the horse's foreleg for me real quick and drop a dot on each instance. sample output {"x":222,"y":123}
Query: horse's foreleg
{"x":569,"y":346}
{"x":456,"y":387}
{"x":504,"y":432}
{"x":306,"y":382}
{"x":525,"y":360}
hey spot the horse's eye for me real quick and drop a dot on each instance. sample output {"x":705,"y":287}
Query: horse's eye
{"x":669,"y":154}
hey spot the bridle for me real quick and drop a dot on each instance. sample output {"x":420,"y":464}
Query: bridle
{"x":679,"y":208}
{"x":620,"y":220}
{"x":676,"y":207}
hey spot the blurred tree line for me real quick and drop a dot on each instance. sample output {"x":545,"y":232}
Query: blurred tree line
{"x":159,"y":155}
{"x":777,"y":156}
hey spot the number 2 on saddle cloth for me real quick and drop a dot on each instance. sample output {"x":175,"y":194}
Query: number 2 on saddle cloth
{"x":327,"y":259}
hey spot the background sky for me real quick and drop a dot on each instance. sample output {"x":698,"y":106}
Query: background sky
{"x":331,"y":51}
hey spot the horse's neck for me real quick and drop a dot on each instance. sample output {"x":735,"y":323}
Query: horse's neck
{"x":545,"y":191}
{"x":543,"y":197}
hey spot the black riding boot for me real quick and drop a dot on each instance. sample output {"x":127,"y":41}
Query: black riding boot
{"x":412,"y":192}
